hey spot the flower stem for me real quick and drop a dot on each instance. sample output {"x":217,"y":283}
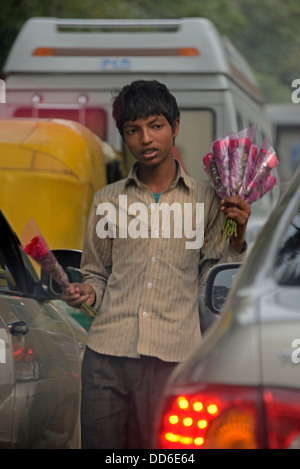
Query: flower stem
{"x":90,"y":310}
{"x":229,"y":228}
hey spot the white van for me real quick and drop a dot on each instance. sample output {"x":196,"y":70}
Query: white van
{"x":285,"y":118}
{"x":71,"y":68}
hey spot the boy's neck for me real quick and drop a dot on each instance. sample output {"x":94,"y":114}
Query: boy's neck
{"x":158,"y":178}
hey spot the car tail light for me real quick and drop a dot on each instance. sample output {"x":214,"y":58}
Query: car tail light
{"x":230,"y":417}
{"x":282,"y":417}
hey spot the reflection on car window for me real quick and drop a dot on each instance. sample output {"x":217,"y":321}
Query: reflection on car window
{"x":7,"y":281}
{"x":287,"y":263}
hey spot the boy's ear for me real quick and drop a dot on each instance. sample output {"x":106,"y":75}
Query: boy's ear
{"x":176,"y":127}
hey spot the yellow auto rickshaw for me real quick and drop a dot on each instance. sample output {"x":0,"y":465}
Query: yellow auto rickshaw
{"x":49,"y":171}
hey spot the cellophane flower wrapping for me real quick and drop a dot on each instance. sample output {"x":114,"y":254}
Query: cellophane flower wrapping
{"x":36,"y":247}
{"x":237,"y":166}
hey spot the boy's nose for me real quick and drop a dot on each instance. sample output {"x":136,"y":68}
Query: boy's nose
{"x":146,"y":136}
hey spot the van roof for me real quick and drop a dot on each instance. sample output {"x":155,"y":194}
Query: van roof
{"x":287,"y":114}
{"x":190,"y":45}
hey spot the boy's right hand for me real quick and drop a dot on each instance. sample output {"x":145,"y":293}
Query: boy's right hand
{"x":78,"y":293}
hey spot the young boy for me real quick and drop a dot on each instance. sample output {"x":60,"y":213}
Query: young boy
{"x":142,"y":280}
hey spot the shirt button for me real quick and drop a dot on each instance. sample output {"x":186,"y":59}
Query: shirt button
{"x":151,"y":206}
{"x":149,"y":285}
{"x":153,"y":259}
{"x":145,"y":314}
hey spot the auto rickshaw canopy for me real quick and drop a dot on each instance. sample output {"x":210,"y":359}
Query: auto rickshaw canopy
{"x":49,"y":171}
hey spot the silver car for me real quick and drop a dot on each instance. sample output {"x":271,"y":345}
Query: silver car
{"x":41,"y":349}
{"x":241,"y":387}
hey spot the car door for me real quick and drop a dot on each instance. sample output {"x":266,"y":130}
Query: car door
{"x":7,"y":390}
{"x":40,"y":399}
{"x":279,"y":310}
{"x":9,"y":348}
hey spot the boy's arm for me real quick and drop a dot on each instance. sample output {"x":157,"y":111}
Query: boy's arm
{"x":96,"y":258}
{"x":215,"y":249}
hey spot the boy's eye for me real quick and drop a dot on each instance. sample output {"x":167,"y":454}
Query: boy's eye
{"x":130,"y":131}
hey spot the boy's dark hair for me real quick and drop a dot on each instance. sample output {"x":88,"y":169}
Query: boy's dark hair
{"x":142,"y":99}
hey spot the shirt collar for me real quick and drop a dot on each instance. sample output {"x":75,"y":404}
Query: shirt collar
{"x":181,"y":176}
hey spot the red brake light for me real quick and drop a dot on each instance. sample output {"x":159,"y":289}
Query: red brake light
{"x":230,"y":417}
{"x":216,"y":417}
{"x":282,"y":417}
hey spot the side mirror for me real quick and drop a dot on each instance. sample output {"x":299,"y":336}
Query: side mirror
{"x":70,"y":261}
{"x":219,"y":281}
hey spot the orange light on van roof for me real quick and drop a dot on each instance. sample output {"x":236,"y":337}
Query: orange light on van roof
{"x":44,"y":51}
{"x":128,"y":52}
{"x":188,"y":51}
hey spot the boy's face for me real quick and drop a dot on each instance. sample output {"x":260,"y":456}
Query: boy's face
{"x":150,"y":140}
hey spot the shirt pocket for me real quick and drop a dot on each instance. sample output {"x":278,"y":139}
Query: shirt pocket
{"x":180,"y":253}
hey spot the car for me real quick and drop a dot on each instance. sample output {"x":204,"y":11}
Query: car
{"x":241,"y":387}
{"x":41,"y":349}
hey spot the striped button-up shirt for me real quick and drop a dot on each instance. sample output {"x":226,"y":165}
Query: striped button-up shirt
{"x":144,"y":274}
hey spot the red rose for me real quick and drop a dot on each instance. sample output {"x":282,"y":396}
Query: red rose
{"x":253,"y":152}
{"x":36,"y":248}
{"x":218,"y":146}
{"x":271,"y":160}
{"x":245,"y":142}
{"x":233,"y":143}
{"x":207,"y":159}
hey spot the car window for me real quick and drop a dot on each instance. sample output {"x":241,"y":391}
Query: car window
{"x":7,"y":281}
{"x":287,"y":263}
{"x":13,"y":273}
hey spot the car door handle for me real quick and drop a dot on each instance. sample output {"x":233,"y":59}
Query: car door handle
{"x":18,"y":327}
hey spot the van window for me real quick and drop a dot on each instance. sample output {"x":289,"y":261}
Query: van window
{"x":240,"y":121}
{"x":94,"y":119}
{"x":288,"y":145}
{"x":287,"y":264}
{"x":197,"y":130}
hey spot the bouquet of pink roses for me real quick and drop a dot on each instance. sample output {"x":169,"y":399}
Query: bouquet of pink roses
{"x":236,"y":165}
{"x":36,"y":247}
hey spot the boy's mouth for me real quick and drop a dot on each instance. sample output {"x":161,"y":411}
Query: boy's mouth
{"x":149,"y":153}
